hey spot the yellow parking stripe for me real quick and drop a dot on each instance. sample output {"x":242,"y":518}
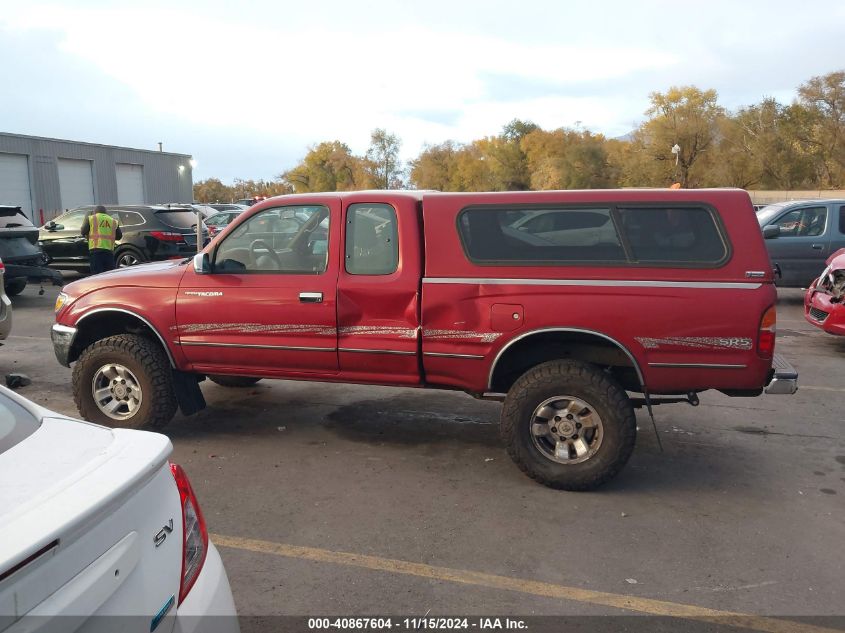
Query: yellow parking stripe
{"x":506,"y":583}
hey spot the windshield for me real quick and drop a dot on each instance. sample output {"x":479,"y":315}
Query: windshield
{"x":767,"y":214}
{"x":16,"y":423}
{"x":178,"y":219}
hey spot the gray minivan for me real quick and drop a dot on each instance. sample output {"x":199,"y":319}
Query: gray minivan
{"x":800,"y":235}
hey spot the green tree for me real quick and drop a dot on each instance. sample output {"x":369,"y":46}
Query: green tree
{"x":567,"y":159}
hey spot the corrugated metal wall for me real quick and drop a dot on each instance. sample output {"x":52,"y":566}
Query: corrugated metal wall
{"x":167,"y":176}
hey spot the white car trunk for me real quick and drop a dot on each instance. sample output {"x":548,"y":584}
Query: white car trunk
{"x":90,"y":525}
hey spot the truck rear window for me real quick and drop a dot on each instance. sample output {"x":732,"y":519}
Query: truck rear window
{"x":624,"y":235}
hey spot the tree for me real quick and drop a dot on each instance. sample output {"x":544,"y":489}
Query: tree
{"x":823,"y":134}
{"x":212,"y":190}
{"x":683,"y":116}
{"x":383,"y":163}
{"x":329,"y":166}
{"x":567,"y":159}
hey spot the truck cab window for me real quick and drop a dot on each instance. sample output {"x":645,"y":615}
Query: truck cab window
{"x":286,"y":240}
{"x":372,"y":247}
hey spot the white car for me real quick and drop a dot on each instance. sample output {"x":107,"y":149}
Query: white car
{"x":96,"y":524}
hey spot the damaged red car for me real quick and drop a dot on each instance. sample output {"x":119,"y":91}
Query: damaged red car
{"x":823,"y":303}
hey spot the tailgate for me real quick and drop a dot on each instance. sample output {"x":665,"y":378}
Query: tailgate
{"x":83,"y":511}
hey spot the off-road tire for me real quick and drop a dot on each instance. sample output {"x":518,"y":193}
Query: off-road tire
{"x":583,"y":381}
{"x":143,"y":357}
{"x":14,"y":287}
{"x":233,"y":381}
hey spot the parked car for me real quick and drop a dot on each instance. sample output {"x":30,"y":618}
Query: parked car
{"x":5,"y":306}
{"x":437,"y":290}
{"x":248,"y":202}
{"x":800,"y":236}
{"x":220,"y":221}
{"x":150,"y":233}
{"x":823,"y":301}
{"x":24,"y":259}
{"x":224,"y":206}
{"x":97,"y":522}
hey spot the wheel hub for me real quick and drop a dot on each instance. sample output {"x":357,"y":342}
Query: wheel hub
{"x":566,"y":429}
{"x":116,"y":391}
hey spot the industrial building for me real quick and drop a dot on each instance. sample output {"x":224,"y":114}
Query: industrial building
{"x":45,"y":176}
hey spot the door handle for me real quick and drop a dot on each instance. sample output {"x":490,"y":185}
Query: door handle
{"x":311,"y":297}
{"x":818,"y":247}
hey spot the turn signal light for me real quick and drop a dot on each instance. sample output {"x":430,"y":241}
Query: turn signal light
{"x":766,"y":336}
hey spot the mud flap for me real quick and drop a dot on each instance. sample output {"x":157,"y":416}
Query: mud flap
{"x":188,"y":394}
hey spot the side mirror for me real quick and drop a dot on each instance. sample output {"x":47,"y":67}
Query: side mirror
{"x":771,"y":231}
{"x":202,"y":265}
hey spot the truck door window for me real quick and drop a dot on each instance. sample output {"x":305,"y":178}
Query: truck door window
{"x":73,"y":220}
{"x":286,"y":240}
{"x":842,"y":220}
{"x":805,"y":222}
{"x":372,"y":247}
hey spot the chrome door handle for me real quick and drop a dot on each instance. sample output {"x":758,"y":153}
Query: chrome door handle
{"x":818,"y":247}
{"x":311,"y":297}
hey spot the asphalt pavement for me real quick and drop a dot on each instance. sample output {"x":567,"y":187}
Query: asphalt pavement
{"x":358,"y":500}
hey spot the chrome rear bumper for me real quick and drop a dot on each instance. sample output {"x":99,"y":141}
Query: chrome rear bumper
{"x":784,"y":379}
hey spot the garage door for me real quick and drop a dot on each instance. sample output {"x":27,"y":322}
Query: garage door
{"x":14,"y":182}
{"x":130,"y":183}
{"x":76,"y":182}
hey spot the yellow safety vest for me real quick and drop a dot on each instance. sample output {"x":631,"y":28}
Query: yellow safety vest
{"x":102,"y":229}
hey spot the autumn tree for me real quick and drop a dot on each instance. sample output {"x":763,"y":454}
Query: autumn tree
{"x":823,"y":133}
{"x":328,"y":166}
{"x":685,"y":117}
{"x":567,"y":159}
{"x":383,"y":162}
{"x":212,"y":190}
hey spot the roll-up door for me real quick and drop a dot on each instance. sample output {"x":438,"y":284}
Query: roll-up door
{"x":76,"y":182}
{"x":130,"y":183}
{"x":14,"y":182}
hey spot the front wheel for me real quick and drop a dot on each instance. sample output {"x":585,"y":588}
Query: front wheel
{"x":568,"y":425}
{"x":124,"y":381}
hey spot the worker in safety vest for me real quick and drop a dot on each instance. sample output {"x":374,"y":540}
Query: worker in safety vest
{"x":102,"y":231}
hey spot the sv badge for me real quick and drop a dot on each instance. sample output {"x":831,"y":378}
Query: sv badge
{"x":159,"y":538}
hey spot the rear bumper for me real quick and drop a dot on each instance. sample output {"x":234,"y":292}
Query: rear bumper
{"x":34,"y":273}
{"x":5,"y":314}
{"x":784,"y":378}
{"x":62,"y":337}
{"x":209,"y":607}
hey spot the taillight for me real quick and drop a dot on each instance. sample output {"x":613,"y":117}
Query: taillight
{"x":194,"y":532}
{"x":766,"y":336}
{"x":167,"y":236}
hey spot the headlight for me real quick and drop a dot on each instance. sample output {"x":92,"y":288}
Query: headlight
{"x":60,"y":301}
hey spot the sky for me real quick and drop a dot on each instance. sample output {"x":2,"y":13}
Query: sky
{"x":247,"y":87}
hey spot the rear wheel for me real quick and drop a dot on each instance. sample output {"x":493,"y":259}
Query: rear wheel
{"x":233,"y":381}
{"x":568,"y":425}
{"x":124,"y":381}
{"x":128,"y":256}
{"x":15,"y":286}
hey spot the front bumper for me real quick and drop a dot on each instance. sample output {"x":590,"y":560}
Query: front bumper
{"x":826,"y":315}
{"x":62,"y":336}
{"x":209,"y":606}
{"x":784,"y":377}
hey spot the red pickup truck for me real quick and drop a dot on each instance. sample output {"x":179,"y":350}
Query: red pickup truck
{"x":561,"y":304}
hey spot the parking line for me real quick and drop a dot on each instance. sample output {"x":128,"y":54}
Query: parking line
{"x":520,"y":585}
{"x":812,"y":388}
